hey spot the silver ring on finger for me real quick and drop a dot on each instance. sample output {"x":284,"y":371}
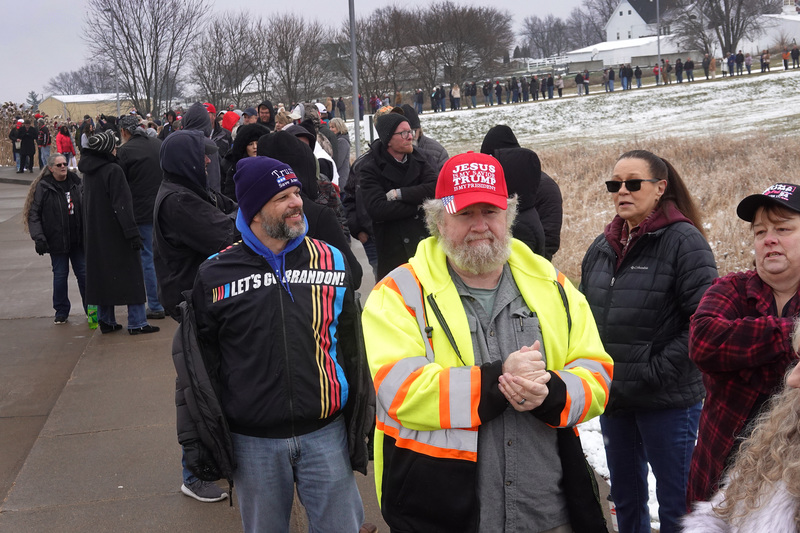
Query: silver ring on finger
{"x":522,"y":402}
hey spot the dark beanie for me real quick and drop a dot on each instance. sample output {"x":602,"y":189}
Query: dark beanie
{"x":387,"y":125}
{"x":412,"y":116}
{"x":104,"y":142}
{"x":499,"y":137}
{"x":257,"y":180}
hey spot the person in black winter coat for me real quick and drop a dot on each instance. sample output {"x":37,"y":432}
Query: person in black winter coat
{"x":53,"y":215}
{"x":395,"y":179}
{"x":190,"y":221}
{"x":244,"y":145}
{"x":197,"y":118}
{"x":643,"y":279}
{"x":27,"y":135}
{"x":547,"y":198}
{"x":113,"y":265}
{"x":138,"y":157}
{"x":322,"y":222}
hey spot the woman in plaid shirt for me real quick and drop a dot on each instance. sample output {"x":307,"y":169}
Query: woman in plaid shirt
{"x":740,"y":336}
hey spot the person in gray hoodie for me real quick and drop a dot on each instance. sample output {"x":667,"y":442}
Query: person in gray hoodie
{"x":197,"y":118}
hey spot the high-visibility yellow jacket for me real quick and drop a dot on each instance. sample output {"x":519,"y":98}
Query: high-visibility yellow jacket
{"x":431,"y":399}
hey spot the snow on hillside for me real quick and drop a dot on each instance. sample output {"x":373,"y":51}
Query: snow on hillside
{"x":746,"y":103}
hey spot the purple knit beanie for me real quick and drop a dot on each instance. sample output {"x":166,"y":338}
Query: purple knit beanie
{"x":257,"y":180}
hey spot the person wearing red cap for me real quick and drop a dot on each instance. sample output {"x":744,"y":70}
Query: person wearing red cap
{"x":493,"y":358}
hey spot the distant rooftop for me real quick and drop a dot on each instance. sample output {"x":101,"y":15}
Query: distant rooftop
{"x":83,"y":98}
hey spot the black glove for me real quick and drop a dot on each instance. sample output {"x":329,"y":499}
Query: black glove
{"x":41,"y":247}
{"x":200,"y":462}
{"x":136,"y":243}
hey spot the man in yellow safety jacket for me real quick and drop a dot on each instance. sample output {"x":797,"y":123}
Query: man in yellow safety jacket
{"x":484,"y":358}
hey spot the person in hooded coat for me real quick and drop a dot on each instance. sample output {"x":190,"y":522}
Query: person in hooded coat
{"x":322,"y":222}
{"x":547,"y":200}
{"x":247,"y":134}
{"x":190,"y":221}
{"x":266,"y":115}
{"x":113,"y":266}
{"x":197,"y":118}
{"x":523,"y":171}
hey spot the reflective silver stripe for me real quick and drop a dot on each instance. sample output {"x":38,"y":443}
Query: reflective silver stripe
{"x":576,"y":394}
{"x":592,"y":366}
{"x":397,"y":376}
{"x":445,"y":439}
{"x":460,"y":399}
{"x":412,"y":296}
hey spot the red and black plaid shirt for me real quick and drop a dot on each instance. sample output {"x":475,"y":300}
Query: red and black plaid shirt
{"x":743,"y":350}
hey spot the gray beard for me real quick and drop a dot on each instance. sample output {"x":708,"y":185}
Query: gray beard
{"x":278,"y":229}
{"x":478,"y":259}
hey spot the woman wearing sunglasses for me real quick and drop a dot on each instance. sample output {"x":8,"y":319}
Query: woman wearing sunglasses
{"x":53,"y":216}
{"x":643,"y":278}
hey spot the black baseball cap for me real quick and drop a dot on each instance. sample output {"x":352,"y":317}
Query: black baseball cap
{"x":784,"y":195}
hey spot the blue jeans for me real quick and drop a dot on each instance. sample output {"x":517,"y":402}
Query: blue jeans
{"x":136,"y":315}
{"x":418,"y":107}
{"x":664,"y":438}
{"x":317,"y":463}
{"x":60,"y":264}
{"x":150,"y":283}
{"x":624,"y":82}
{"x":44,"y":155}
{"x":550,"y":92}
{"x":639,"y":83}
{"x":611,"y":85}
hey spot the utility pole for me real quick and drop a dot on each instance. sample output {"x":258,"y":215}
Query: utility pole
{"x":354,"y":58}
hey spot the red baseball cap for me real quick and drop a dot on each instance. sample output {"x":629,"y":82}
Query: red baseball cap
{"x":471,"y":178}
{"x":210,"y":108}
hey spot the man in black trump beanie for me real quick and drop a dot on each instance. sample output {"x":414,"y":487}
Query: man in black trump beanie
{"x":275,"y":316}
{"x":395,"y":179}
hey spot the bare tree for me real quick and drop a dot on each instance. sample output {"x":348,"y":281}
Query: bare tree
{"x":261,"y":37}
{"x":149,"y":53}
{"x":547,"y":37}
{"x":470,"y":38}
{"x":699,"y":23}
{"x":97,"y":77}
{"x":297,"y":51}
{"x":369,"y":53}
{"x":582,"y":30}
{"x":223,"y":63}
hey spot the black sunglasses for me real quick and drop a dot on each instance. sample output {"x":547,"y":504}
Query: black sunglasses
{"x":59,"y":165}
{"x":631,"y":185}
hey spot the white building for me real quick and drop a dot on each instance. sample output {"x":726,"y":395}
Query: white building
{"x":632,"y":19}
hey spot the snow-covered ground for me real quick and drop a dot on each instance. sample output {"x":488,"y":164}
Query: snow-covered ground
{"x":768,"y":102}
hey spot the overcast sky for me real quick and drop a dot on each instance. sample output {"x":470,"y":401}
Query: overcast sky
{"x":44,"y":37}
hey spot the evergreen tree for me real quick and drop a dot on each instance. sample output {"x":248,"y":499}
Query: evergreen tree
{"x":33,"y":100}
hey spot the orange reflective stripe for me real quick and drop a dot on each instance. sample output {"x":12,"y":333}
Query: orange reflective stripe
{"x":564,"y":420}
{"x":444,"y":399}
{"x":425,"y":449}
{"x":402,"y":392}
{"x":381,"y":374}
{"x":560,"y":277}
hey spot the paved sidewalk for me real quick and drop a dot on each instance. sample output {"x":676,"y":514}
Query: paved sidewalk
{"x":87,"y":421}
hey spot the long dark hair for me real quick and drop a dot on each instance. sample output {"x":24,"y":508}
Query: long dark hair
{"x":676,"y":191}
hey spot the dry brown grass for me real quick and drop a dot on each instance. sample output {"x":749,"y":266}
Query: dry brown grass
{"x":719,"y":171}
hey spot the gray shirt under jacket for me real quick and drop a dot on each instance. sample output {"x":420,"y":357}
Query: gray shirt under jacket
{"x":519,"y":468}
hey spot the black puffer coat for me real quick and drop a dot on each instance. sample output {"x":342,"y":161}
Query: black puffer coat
{"x":642,"y":310}
{"x":48,"y":217}
{"x":398,"y":225}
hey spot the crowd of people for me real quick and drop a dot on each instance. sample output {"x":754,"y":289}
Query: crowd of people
{"x":474,"y":358}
